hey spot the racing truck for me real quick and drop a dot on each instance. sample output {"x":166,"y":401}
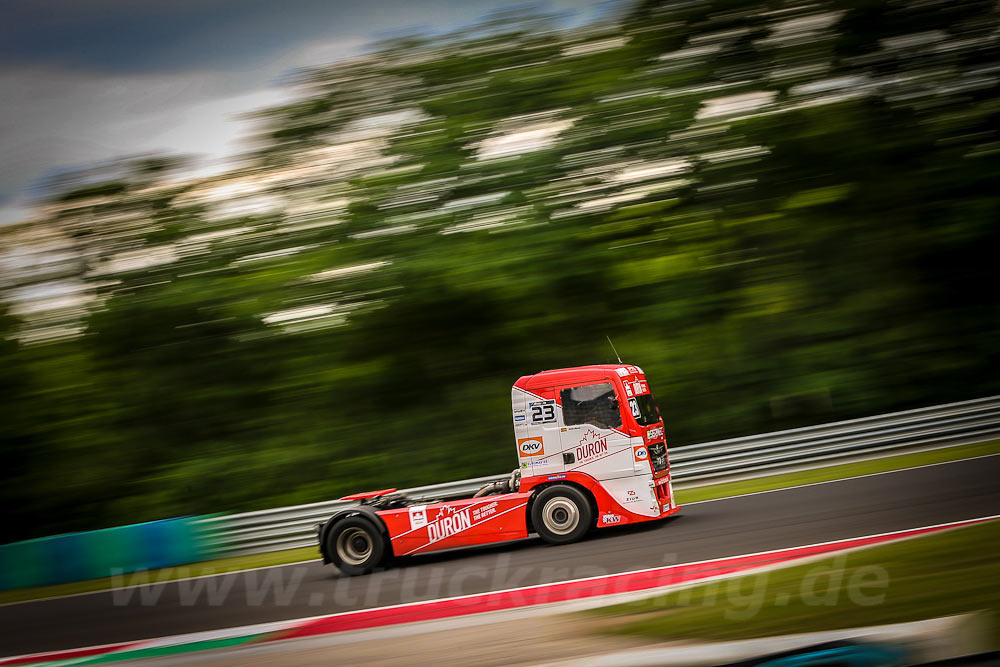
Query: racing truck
{"x":591,"y":454}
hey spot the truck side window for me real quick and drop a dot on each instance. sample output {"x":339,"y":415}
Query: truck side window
{"x":591,"y":404}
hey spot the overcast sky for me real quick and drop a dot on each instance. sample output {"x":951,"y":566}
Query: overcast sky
{"x":84,"y":81}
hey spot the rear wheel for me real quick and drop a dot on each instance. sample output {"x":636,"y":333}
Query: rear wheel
{"x":561,"y":514}
{"x":355,"y":546}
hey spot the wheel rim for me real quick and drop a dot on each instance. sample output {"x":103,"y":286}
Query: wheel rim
{"x":354,"y":546}
{"x":561,"y":516}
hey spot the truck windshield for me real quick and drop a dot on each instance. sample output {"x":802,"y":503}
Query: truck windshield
{"x":591,"y":404}
{"x":644,"y":409}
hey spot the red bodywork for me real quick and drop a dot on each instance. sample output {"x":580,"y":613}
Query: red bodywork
{"x":497,"y":518}
{"x":368,"y":494}
{"x":457,"y":523}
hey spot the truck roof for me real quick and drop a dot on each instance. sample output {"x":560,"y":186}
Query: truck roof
{"x":560,"y":376}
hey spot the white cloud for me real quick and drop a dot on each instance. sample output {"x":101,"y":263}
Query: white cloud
{"x":16,"y":211}
{"x":52,"y":118}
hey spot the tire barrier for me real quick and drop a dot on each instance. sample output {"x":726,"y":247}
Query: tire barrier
{"x":102,"y":553}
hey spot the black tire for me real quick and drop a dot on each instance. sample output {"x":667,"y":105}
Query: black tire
{"x":355,"y":546}
{"x":561,"y":514}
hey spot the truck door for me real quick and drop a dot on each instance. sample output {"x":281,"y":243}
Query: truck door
{"x":592,"y":436}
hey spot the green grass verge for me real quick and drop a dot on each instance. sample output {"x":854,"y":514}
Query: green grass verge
{"x":218,"y":566}
{"x":684,"y":496}
{"x":835,"y":472}
{"x":941,"y":574}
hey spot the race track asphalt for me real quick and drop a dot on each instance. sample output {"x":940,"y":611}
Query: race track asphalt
{"x":787,"y":518}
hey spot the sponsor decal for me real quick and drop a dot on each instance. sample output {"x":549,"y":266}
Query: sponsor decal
{"x":632,"y":496}
{"x":561,"y":476}
{"x":591,"y":446}
{"x":519,"y":419}
{"x":663,"y":480}
{"x":638,"y":388}
{"x":628,"y":388}
{"x":484,"y":511}
{"x":641,"y":453}
{"x":524,"y":464}
{"x":608,"y":518}
{"x":541,"y":463}
{"x":418,"y":516}
{"x":530,"y":447}
{"x":634,"y":370}
{"x":445,"y":527}
{"x":655,"y":433}
{"x":543,"y":412}
{"x":622,"y":372}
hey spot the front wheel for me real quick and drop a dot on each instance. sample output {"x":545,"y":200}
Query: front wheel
{"x":561,"y":514}
{"x":355,"y":546}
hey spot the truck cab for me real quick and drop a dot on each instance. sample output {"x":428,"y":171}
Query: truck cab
{"x":598,"y":427}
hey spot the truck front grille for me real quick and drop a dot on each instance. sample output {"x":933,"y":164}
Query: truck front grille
{"x":658,"y":455}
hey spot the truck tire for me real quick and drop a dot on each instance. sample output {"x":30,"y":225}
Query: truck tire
{"x":355,"y":546}
{"x":561,"y":514}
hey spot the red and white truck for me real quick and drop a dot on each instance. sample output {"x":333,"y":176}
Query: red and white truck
{"x":591,"y":454}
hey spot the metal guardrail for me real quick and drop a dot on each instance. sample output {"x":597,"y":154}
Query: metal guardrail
{"x":744,"y":457}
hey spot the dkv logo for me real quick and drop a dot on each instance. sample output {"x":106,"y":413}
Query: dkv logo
{"x":641,"y":453}
{"x":530,"y":447}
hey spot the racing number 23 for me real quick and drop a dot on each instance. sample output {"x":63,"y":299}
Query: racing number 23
{"x":543,"y":413}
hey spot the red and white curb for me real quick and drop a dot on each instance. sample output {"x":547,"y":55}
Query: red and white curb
{"x":649,"y":581}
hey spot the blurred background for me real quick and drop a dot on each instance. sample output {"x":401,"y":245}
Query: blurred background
{"x":262,"y":254}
